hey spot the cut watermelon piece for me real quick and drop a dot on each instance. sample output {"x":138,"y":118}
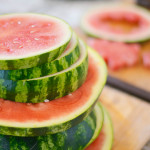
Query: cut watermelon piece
{"x":75,"y":138}
{"x":117,"y":22}
{"x":48,"y":87}
{"x":67,"y":58}
{"x":116,"y":54}
{"x":105,"y":139}
{"x":146,"y":59}
{"x":57,"y":115}
{"x":99,"y":125}
{"x":29,"y":40}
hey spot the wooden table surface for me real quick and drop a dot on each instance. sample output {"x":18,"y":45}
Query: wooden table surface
{"x":130,"y":115}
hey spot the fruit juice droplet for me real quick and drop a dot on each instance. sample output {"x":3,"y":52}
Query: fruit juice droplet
{"x":32,"y":26}
{"x":32,"y":31}
{"x":46,"y":100}
{"x":20,"y":46}
{"x":36,"y":39}
{"x":19,"y":22}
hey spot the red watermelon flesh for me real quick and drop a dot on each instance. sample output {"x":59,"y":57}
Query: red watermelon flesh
{"x":116,"y":54}
{"x":146,"y":59}
{"x":26,"y":34}
{"x":98,"y":142}
{"x":115,"y":21}
{"x":52,"y":110}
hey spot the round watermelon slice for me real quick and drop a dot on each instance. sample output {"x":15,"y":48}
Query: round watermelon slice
{"x":48,"y":87}
{"x":104,"y":140}
{"x":29,"y":40}
{"x":116,"y":54}
{"x":117,"y":22}
{"x":75,"y":138}
{"x":67,"y":58}
{"x":23,"y":119}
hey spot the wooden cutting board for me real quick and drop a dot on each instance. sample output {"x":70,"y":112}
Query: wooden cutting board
{"x":130,"y":118}
{"x":130,"y":115}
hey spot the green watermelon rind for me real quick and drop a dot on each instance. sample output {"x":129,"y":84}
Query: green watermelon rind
{"x":36,"y":59}
{"x":66,"y":59}
{"x":138,"y":37}
{"x":66,"y":122}
{"x":100,"y":120}
{"x":74,"y":138}
{"x":48,"y":87}
{"x":49,"y":129}
{"x":108,"y":129}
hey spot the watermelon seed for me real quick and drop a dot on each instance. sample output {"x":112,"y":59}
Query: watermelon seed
{"x":19,"y":22}
{"x":46,"y":100}
{"x":70,"y":94}
{"x":32,"y":31}
{"x":15,"y":42}
{"x":20,"y":46}
{"x":32,"y":26}
{"x":28,"y":104}
{"x":36,"y":39}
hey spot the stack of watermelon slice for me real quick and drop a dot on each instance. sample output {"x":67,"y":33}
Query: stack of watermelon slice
{"x":50,"y":82}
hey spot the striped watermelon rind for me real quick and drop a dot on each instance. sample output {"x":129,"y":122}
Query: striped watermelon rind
{"x":48,"y":87}
{"x":104,"y":139}
{"x":66,"y":59}
{"x":69,"y":120}
{"x":75,"y":138}
{"x":48,"y":129}
{"x":108,"y":130}
{"x":33,"y":60}
{"x":100,"y":114}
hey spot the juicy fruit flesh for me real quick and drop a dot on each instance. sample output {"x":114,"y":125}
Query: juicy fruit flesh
{"x":51,"y":109}
{"x":118,"y":22}
{"x":116,"y":54}
{"x":27,"y":34}
{"x":98,"y":142}
{"x":146,"y":59}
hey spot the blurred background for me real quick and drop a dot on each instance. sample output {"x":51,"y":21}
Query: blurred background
{"x":130,"y":133}
{"x":69,"y":10}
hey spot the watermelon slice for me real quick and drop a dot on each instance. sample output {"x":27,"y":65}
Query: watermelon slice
{"x":117,"y":22}
{"x":146,"y":59}
{"x":29,"y":40}
{"x":57,"y":115}
{"x":67,"y":58}
{"x":75,"y":138}
{"x":105,"y":139}
{"x":116,"y":54}
{"x":48,"y":87}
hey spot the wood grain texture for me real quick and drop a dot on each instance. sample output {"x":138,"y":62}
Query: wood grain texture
{"x":130,"y":118}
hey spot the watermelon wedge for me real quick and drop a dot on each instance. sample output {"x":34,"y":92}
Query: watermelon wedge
{"x":117,"y":22}
{"x":57,"y":115}
{"x":29,"y":40}
{"x":67,"y":58}
{"x":105,"y":139}
{"x":48,"y":87}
